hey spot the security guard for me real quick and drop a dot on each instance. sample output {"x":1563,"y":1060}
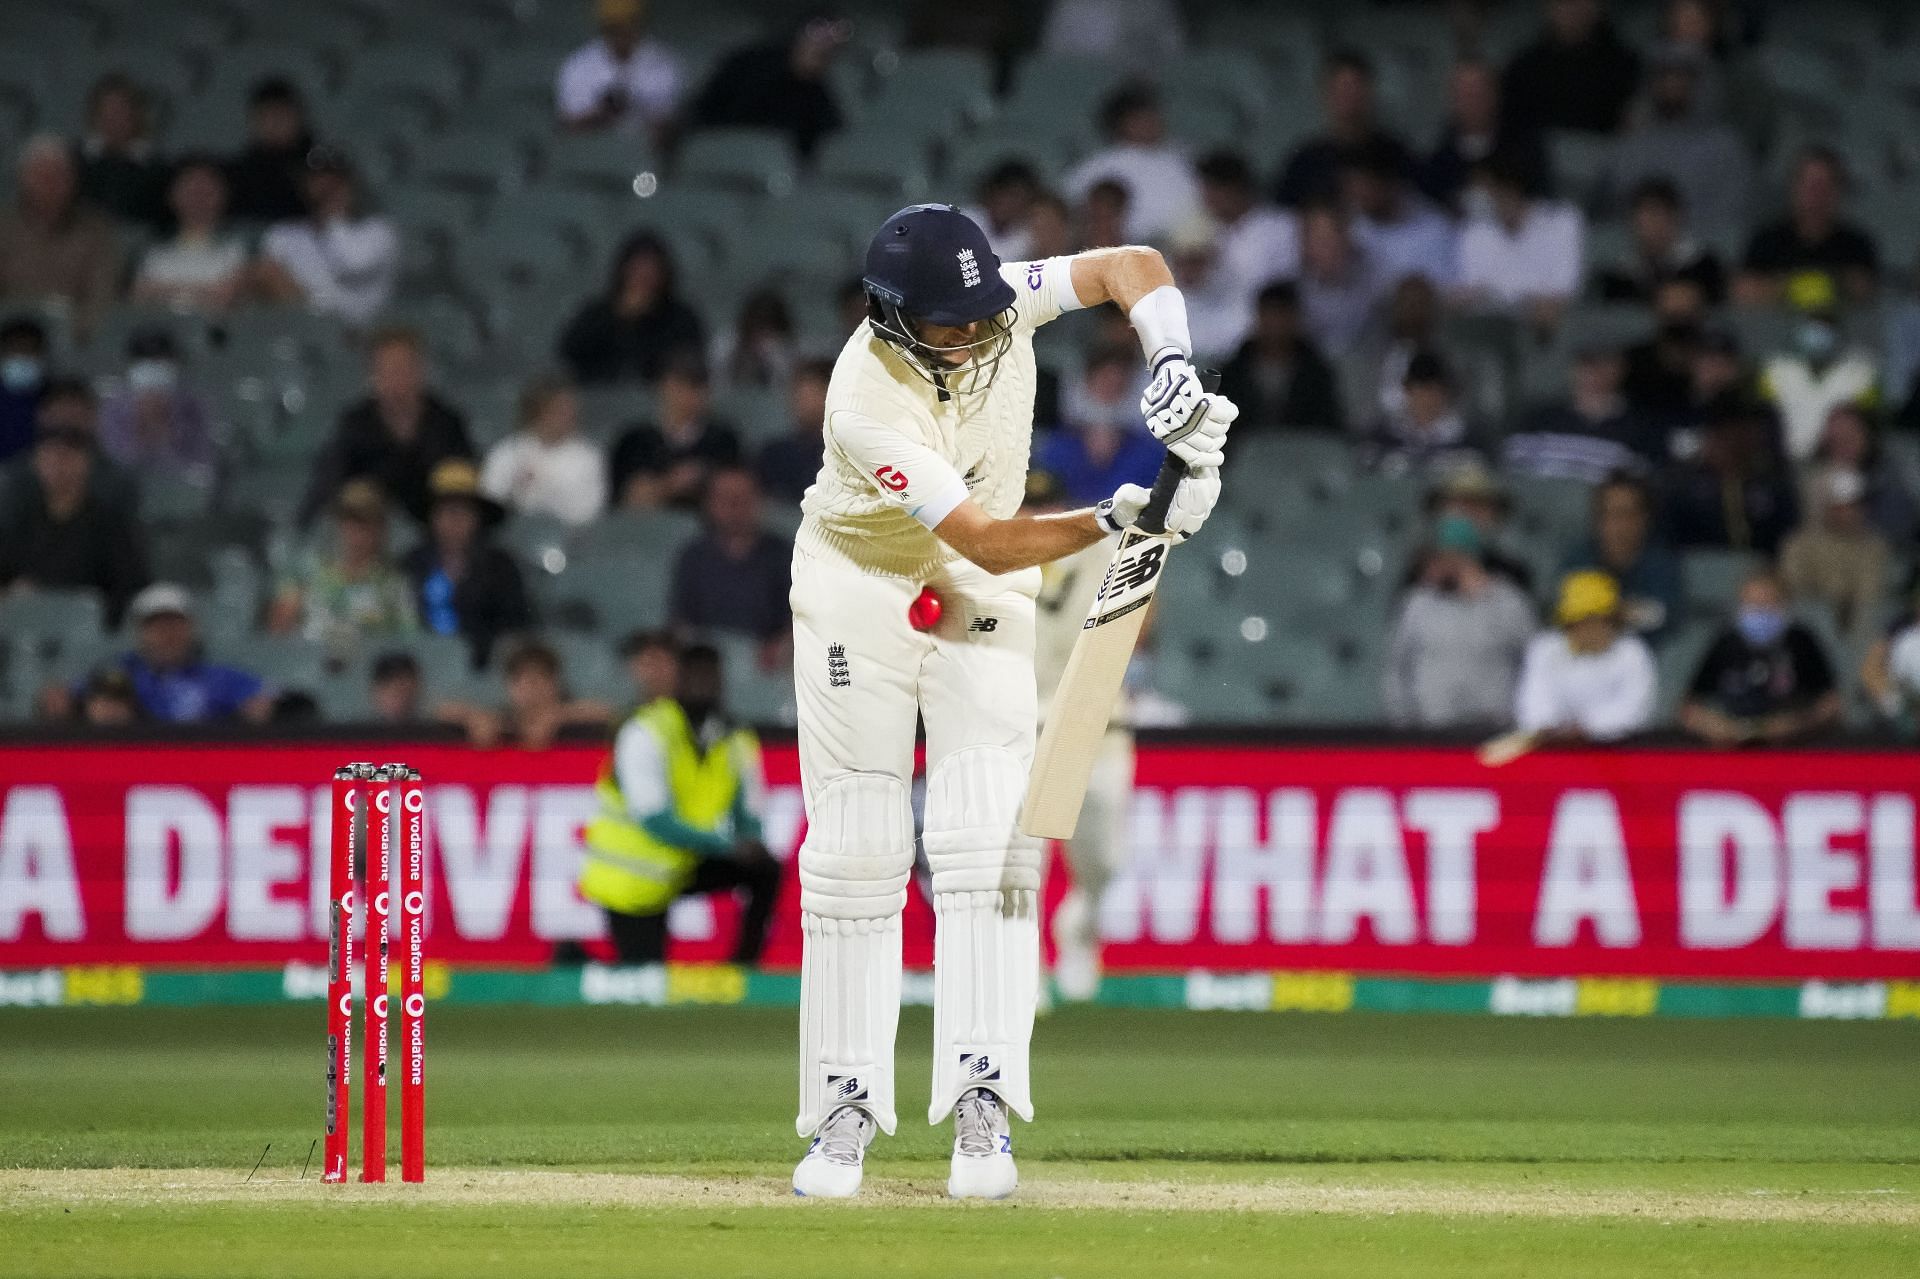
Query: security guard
{"x":681,"y":800}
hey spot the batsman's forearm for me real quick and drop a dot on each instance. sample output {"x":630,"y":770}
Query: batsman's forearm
{"x":1022,"y":541}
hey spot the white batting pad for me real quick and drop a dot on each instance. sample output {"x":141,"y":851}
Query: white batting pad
{"x":986,"y":981}
{"x":849,"y":1012}
{"x":986,"y":950}
{"x":853,"y":884}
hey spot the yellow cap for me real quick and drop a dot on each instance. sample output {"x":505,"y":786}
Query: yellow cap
{"x":1588,"y":593}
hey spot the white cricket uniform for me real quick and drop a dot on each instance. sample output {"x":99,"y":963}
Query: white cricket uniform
{"x":899,"y":458}
{"x":1098,"y":850}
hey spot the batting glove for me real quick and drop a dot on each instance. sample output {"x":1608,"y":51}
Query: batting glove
{"x":1182,"y":416}
{"x":1192,"y":502}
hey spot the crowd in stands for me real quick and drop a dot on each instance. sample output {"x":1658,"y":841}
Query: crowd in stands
{"x":1689,"y":326}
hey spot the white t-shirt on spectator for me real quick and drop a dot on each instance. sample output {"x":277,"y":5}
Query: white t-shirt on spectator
{"x":1161,"y":189}
{"x":1605,"y":695}
{"x":1261,"y":247}
{"x":346,"y":269}
{"x":177,"y":264}
{"x":567,"y":480}
{"x":1424,"y":242}
{"x":1540,"y":260}
{"x":650,"y":76}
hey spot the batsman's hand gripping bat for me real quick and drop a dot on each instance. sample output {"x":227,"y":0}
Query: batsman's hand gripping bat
{"x":1082,"y":704}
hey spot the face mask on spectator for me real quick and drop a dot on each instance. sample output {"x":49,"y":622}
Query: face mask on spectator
{"x":21,"y":374}
{"x":1761,"y":627}
{"x":152,"y":375}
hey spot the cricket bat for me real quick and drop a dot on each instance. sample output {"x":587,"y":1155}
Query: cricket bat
{"x":1089,"y":686}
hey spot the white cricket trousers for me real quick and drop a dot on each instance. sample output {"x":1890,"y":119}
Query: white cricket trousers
{"x":864,"y":679}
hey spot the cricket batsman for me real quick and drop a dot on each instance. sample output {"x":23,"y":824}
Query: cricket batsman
{"x":913,"y":599}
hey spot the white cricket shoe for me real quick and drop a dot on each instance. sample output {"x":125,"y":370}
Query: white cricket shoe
{"x":832,"y":1167}
{"x":982,"y":1149}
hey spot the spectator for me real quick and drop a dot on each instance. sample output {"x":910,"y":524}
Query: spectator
{"x":1524,"y":252}
{"x":1104,"y":215}
{"x":395,"y":690}
{"x":1429,"y":433}
{"x":734,"y":575}
{"x":68,"y":405}
{"x":759,"y":349}
{"x":1590,"y":678}
{"x":154,"y":423}
{"x":108,"y":699}
{"x":267,"y":180}
{"x":1676,"y":140}
{"x":1219,"y":307}
{"x":1715,"y":33}
{"x":1659,"y":371}
{"x":666,"y":462}
{"x":1005,"y":197}
{"x":397,"y":436}
{"x":537,"y":705}
{"x":1376,"y":377}
{"x":1890,"y":672}
{"x":1837,"y":558}
{"x":119,"y":172}
{"x":66,"y":526}
{"x":1454,"y":657}
{"x":1736,"y":491}
{"x":53,"y":248}
{"x":204,"y":266}
{"x":1623,"y":544}
{"x":1049,"y":229}
{"x":1851,"y":442}
{"x":464,"y":584}
{"x":1312,"y":173}
{"x":1141,"y":35}
{"x":622,"y":78}
{"x":352,"y":590}
{"x":1278,"y":377}
{"x":1474,"y":130}
{"x":1471,"y":491}
{"x":1394,"y":225}
{"x":1718,"y":379}
{"x":1813,"y":377}
{"x":1102,"y":443}
{"x":652,"y":660}
{"x":174,"y":683}
{"x":1155,"y":173}
{"x":781,"y":84}
{"x":789,"y":464}
{"x":339,"y":260}
{"x":1811,"y":257}
{"x":627,"y":333}
{"x":1662,"y":249}
{"x":1765,"y":679}
{"x":1578,"y":75}
{"x":1254,"y":243}
{"x":546,"y":467}
{"x":1340,"y":287}
{"x":23,"y":380}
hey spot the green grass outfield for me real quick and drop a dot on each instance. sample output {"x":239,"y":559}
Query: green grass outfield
{"x":629,"y":1142}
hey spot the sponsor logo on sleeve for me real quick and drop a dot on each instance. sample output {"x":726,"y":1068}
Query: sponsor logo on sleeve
{"x":895,"y":481}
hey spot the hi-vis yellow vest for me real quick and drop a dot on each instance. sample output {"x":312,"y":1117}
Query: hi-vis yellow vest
{"x":628,"y":870}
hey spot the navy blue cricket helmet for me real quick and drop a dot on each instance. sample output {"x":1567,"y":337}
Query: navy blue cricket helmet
{"x":930,"y":264}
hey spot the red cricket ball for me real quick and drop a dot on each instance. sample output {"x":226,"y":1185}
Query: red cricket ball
{"x":924,"y":613}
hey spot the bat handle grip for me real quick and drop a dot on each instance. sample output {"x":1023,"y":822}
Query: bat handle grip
{"x":1153,"y":520}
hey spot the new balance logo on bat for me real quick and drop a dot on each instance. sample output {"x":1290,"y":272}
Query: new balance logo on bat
{"x":1132,"y":572}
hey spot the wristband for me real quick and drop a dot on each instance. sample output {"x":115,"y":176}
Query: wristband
{"x":1160,"y":320}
